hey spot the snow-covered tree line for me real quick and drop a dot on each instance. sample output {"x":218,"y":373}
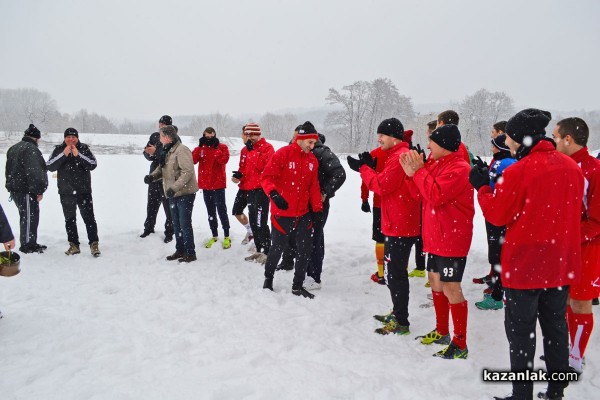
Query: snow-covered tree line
{"x":352,"y":117}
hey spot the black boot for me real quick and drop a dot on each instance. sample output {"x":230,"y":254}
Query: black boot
{"x":298,"y":290}
{"x":146,"y":233}
{"x":268,"y":284}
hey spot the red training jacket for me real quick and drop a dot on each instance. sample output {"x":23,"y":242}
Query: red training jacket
{"x":448,"y":205}
{"x":539,"y":201}
{"x":381,"y":156}
{"x":400,"y":212}
{"x":590,"y":218}
{"x":211,"y":166}
{"x":254,"y":163}
{"x":295,"y":175}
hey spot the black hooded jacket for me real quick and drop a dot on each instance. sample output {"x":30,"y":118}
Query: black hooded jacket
{"x":73,"y":172}
{"x":331,"y":172}
{"x":26,"y":168}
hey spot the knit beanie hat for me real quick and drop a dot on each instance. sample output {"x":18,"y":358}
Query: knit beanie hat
{"x":391,"y":127}
{"x":71,"y":132}
{"x":308,"y":131}
{"x":407,"y":137}
{"x":528,"y":123}
{"x":447,"y":136}
{"x":33,"y":132}
{"x":252,"y":129}
{"x":322,"y":138}
{"x":165,"y":119}
{"x":499,"y":142}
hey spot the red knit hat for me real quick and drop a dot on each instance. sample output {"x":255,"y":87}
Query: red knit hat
{"x":252,"y":129}
{"x":407,"y":137}
{"x":307,"y":131}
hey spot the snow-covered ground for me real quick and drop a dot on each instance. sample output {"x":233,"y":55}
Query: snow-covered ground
{"x":130,"y":325}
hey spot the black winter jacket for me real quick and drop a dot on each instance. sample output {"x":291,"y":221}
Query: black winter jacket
{"x":155,"y":141}
{"x":6,"y":234}
{"x":331,"y":172}
{"x":73,"y":172}
{"x":26,"y":168}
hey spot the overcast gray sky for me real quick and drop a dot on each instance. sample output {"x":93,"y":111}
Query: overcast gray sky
{"x":140,"y":59}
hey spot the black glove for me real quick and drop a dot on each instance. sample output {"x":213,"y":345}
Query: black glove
{"x":170,"y":193}
{"x":237,"y":175}
{"x":249,"y":145}
{"x":215,"y":142}
{"x":148,"y":179}
{"x":365,"y":207}
{"x":479,"y":177}
{"x":420,"y":151}
{"x":479,"y":163}
{"x":367,"y":159}
{"x":202,"y":141}
{"x":278,"y":200}
{"x":353,"y":163}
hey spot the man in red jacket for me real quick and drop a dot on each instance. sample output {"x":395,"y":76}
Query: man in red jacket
{"x":448,"y":210}
{"x":291,"y":179}
{"x":400,"y":219}
{"x":571,"y":137}
{"x":380,"y":157}
{"x":256,"y":154}
{"x":539,"y":201}
{"x":211,"y":157}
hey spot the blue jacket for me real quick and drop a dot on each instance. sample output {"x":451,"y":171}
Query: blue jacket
{"x":500,"y":162}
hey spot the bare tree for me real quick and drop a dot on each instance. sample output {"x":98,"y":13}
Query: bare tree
{"x":363,"y":105}
{"x":478,"y":113}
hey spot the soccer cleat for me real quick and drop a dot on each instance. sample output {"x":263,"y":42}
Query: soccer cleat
{"x":187,"y":258}
{"x":248,"y":238}
{"x":378,"y":279}
{"x":146,"y":233}
{"x":227,"y":243}
{"x":210,"y":242}
{"x":484,"y":279}
{"x":94,"y":249}
{"x":452,"y":352}
{"x":168,"y":238}
{"x":427,"y":284}
{"x":417,"y":273}
{"x":488,"y":303}
{"x":393,"y":327}
{"x":175,"y":256}
{"x":434,"y":337}
{"x":73,"y":249}
{"x":384,"y":319}
{"x":302,"y":292}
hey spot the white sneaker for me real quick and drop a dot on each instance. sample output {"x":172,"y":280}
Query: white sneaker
{"x":248,"y":238}
{"x":311,"y":284}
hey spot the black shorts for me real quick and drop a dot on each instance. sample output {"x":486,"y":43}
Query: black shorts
{"x":240,"y":202}
{"x":377,"y":235}
{"x":451,"y":269}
